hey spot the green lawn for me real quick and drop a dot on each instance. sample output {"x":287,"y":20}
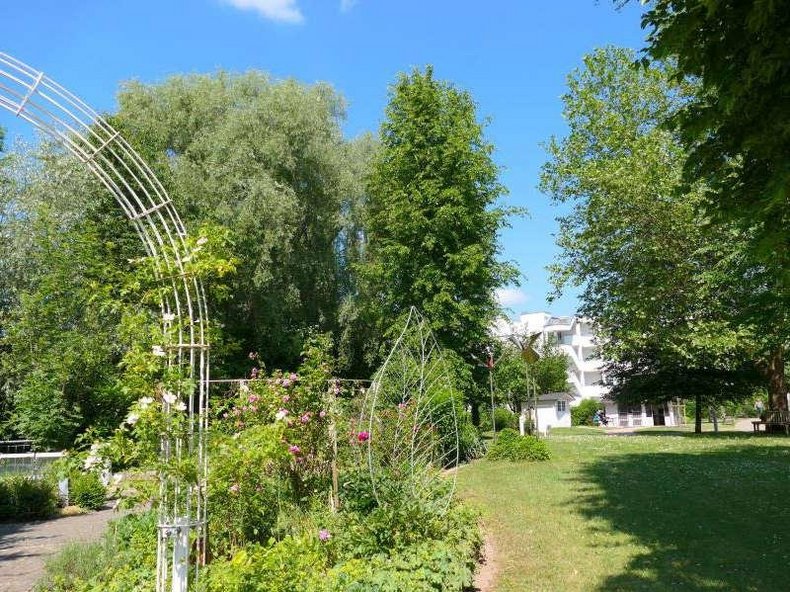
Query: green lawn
{"x":658,"y":511}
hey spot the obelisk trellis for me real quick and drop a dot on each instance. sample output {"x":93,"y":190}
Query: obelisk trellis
{"x":32,"y":96}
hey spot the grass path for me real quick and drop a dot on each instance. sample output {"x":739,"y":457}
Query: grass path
{"x":655,"y":512}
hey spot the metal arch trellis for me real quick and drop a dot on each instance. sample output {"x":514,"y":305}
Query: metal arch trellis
{"x":32,"y":96}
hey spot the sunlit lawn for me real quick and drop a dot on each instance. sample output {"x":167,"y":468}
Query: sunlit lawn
{"x":659,"y":511}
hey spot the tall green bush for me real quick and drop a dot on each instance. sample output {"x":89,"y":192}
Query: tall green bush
{"x":26,"y":498}
{"x":583,"y":413}
{"x":86,"y":491}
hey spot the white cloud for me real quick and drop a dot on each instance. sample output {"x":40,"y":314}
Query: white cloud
{"x":284,"y":11}
{"x":511,"y":297}
{"x":346,"y":5}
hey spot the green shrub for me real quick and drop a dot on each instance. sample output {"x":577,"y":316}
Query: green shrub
{"x":246,"y":486}
{"x":27,"y":498}
{"x":505,"y":419}
{"x":295,"y":564}
{"x":75,"y":563}
{"x":509,"y":445}
{"x":583,"y":413}
{"x":426,"y":567}
{"x":125,"y":559}
{"x":86,"y":491}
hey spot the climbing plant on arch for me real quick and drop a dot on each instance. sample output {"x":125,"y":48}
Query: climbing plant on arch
{"x":35,"y":98}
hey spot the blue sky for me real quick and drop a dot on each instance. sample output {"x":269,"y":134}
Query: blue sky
{"x":512,"y":55}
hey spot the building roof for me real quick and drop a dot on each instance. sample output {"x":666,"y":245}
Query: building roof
{"x":554,"y":397}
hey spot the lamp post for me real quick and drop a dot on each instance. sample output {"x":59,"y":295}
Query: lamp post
{"x":489,"y":363}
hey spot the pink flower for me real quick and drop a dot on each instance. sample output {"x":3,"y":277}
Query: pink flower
{"x":363,"y":436}
{"x":286,"y":398}
{"x":253,"y":398}
{"x":254,"y":373}
{"x":322,"y":414}
{"x":293,"y":377}
{"x":401,"y":405}
{"x":294,"y":449}
{"x":286,"y":382}
{"x":234,"y":488}
{"x":305,"y":418}
{"x":324,"y":535}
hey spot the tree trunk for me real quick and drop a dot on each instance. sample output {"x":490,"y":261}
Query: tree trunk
{"x":698,"y":414}
{"x":475,"y":415}
{"x":777,"y":387}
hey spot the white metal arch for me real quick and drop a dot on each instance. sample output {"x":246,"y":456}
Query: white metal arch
{"x":32,"y":96}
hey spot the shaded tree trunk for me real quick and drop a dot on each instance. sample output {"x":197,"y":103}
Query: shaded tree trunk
{"x":698,"y":414}
{"x":475,"y":414}
{"x":777,"y":386}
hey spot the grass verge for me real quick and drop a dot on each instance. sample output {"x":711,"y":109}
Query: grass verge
{"x":638,"y":513}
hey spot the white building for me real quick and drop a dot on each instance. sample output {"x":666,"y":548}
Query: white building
{"x":576,"y":339}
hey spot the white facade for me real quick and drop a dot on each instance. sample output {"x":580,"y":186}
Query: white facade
{"x":576,"y":339}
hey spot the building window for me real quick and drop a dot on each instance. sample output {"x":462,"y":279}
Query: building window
{"x":561,"y":407}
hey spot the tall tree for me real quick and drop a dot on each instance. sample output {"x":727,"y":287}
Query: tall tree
{"x":433,"y":215}
{"x":635,"y":243}
{"x":265,"y":159}
{"x":737,"y":133}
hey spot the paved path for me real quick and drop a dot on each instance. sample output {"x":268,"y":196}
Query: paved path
{"x":25,"y":546}
{"x":742,"y":424}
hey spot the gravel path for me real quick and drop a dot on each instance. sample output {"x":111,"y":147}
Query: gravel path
{"x":25,"y":546}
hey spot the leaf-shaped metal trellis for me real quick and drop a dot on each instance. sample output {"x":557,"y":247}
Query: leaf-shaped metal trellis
{"x":409,"y":416}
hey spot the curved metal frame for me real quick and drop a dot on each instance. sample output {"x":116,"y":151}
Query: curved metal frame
{"x":29,"y":94}
{"x":414,"y":383}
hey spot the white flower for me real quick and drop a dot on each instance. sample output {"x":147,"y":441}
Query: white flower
{"x":180,"y":406}
{"x":281,"y":414}
{"x":145,"y":402}
{"x":186,"y":259}
{"x":168,"y":317}
{"x":158,"y":351}
{"x":169,"y":398}
{"x":91,"y":461}
{"x":132,"y":418}
{"x":244,"y":388}
{"x":202,"y":240}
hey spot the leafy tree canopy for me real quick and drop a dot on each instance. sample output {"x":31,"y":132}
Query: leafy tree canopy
{"x":635,"y":242}
{"x":433,"y":215}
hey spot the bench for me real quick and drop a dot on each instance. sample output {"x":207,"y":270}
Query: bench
{"x":774,"y":417}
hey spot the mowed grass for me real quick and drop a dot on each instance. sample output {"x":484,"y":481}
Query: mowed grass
{"x":659,"y":511}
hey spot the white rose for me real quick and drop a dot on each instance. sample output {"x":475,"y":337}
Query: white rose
{"x":169,"y":398}
{"x":158,"y":351}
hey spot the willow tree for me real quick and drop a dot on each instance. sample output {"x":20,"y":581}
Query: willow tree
{"x":266,"y":159}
